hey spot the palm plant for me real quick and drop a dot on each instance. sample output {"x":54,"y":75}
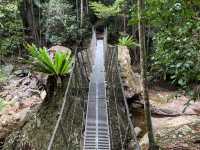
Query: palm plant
{"x":59,"y":65}
{"x":127,"y":41}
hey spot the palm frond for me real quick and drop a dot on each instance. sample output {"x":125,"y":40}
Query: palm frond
{"x":61,"y":64}
{"x":128,"y":41}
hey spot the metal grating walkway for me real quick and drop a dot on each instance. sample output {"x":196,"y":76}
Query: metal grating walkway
{"x":97,"y":128}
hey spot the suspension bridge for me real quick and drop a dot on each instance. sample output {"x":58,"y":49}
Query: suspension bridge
{"x":94,"y":114}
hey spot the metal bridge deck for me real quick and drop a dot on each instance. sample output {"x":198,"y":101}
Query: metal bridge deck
{"x":97,"y":128}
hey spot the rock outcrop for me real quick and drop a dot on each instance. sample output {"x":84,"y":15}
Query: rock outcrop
{"x":131,"y":79}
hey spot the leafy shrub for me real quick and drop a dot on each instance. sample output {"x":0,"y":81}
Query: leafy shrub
{"x":60,"y":65}
{"x":127,"y":41}
{"x":60,"y":22}
{"x":10,"y":27}
{"x":177,"y":54}
{"x":106,"y":11}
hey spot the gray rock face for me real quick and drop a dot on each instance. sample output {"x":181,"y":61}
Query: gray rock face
{"x":21,"y":96}
{"x":138,"y":131}
{"x":56,"y":48}
{"x":131,"y":80}
{"x":5,"y":71}
{"x":8,"y":69}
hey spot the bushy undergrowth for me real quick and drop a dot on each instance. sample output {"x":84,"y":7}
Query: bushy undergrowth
{"x":177,"y":55}
{"x":10,"y":28}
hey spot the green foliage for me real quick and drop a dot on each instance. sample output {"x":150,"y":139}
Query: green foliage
{"x":3,"y":76}
{"x":60,"y":22}
{"x":177,"y":57}
{"x":127,"y":41}
{"x":104,"y":11}
{"x":2,"y":104}
{"x":177,"y":45}
{"x":176,"y":54}
{"x":60,"y":65}
{"x":10,"y":27}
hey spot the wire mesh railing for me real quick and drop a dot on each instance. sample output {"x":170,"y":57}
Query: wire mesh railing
{"x":68,"y":132}
{"x":121,"y":123}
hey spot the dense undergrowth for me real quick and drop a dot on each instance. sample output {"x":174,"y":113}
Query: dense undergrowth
{"x":176,"y":44}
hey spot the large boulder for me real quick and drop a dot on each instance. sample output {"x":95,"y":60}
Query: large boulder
{"x":131,"y":79}
{"x":181,"y":135}
{"x":54,"y":49}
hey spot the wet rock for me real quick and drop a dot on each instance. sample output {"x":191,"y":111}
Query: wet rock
{"x":144,"y":142}
{"x":132,"y":145}
{"x":21,"y":73}
{"x":138,"y":131}
{"x":171,"y":122}
{"x":43,"y":94}
{"x":178,"y":105}
{"x":179,"y":137}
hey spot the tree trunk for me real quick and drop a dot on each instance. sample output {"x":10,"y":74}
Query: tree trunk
{"x":77,"y":11}
{"x":30,"y":23}
{"x":124,"y":20}
{"x":87,"y":9}
{"x":81,"y":13}
{"x":145,"y":95}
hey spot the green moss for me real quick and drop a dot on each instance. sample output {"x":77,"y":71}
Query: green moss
{"x":2,"y":104}
{"x":2,"y":76}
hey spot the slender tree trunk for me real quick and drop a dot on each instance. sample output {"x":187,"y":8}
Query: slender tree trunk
{"x":124,"y":20}
{"x":34,"y":25}
{"x":81,"y":13}
{"x":30,"y":21}
{"x":77,"y":11}
{"x":87,"y":9}
{"x":152,"y":144}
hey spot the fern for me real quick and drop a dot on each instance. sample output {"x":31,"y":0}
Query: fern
{"x":128,"y":41}
{"x":60,"y":65}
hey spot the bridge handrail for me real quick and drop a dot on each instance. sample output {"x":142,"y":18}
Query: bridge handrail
{"x":116,"y":89}
{"x":63,"y":104}
{"x":133,"y":134}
